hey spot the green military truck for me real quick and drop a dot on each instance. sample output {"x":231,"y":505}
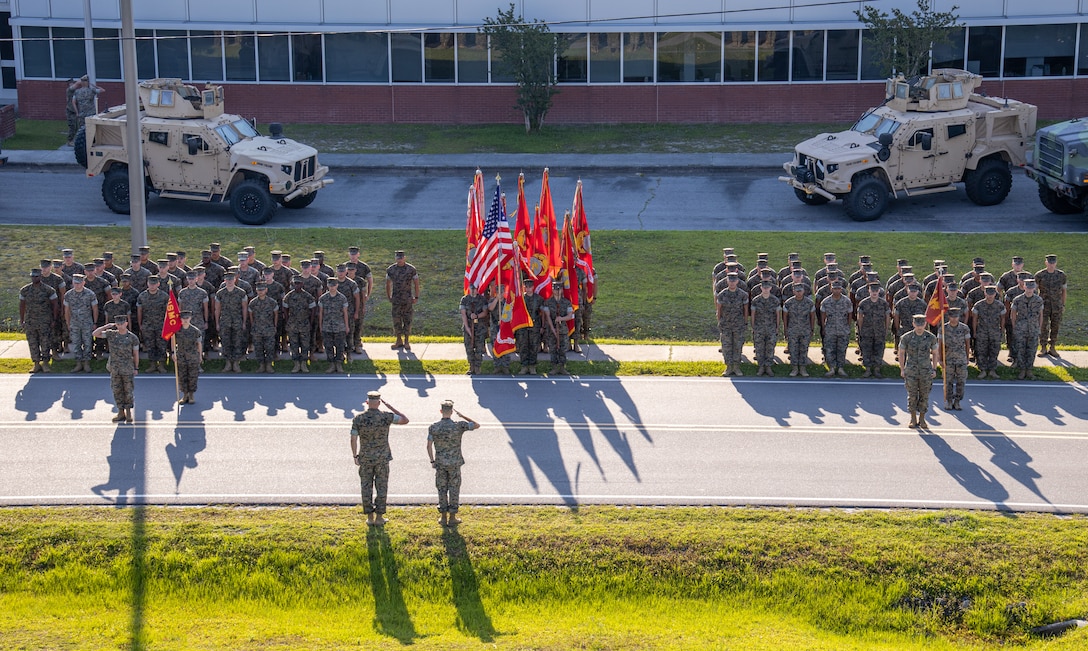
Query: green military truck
{"x":1059,"y":164}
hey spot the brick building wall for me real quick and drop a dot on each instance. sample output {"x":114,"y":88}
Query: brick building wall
{"x":1057,"y":99}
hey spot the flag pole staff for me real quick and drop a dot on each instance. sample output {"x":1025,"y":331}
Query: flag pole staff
{"x":177,"y":373}
{"x":498,"y":274}
{"x":944,"y":366}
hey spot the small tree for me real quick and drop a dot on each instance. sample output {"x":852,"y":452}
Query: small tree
{"x":901,"y":42}
{"x":528,"y":52}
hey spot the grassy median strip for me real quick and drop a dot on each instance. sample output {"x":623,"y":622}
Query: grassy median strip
{"x":653,"y":285}
{"x":538,"y":577}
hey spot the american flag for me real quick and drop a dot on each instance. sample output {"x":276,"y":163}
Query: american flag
{"x":494,"y":239}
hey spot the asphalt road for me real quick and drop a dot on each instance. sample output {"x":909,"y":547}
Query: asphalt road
{"x":1015,"y":446}
{"x":616,"y":199}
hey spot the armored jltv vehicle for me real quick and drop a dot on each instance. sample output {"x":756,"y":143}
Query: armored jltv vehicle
{"x":193,"y":150}
{"x":929,"y":134}
{"x":1060,"y":165}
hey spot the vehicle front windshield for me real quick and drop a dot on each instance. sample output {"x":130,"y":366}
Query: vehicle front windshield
{"x":876,"y":125}
{"x":228,"y":134}
{"x":245,"y":128}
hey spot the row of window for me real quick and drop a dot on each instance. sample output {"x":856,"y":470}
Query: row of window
{"x":595,"y":58}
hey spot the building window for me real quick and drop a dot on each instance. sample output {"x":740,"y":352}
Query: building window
{"x":173,"y":53}
{"x":842,"y":54}
{"x":274,"y":57}
{"x":773,"y":51}
{"x":950,"y":54}
{"x":808,"y":55}
{"x":984,"y":51}
{"x":740,"y":56}
{"x":1039,"y":50}
{"x":37,"y":61}
{"x":306,"y":57}
{"x":1082,"y":63}
{"x":69,"y":54}
{"x":206,"y":50}
{"x":7,"y":75}
{"x":471,"y":58}
{"x":638,"y":57}
{"x":500,"y":72}
{"x":869,"y":67}
{"x":145,"y":54}
{"x":573,"y":64}
{"x":241,"y":56}
{"x":689,"y":56}
{"x":407,"y":57}
{"x":358,"y":57}
{"x":438,"y":57}
{"x":107,"y":54}
{"x":604,"y":58}
{"x":7,"y":46}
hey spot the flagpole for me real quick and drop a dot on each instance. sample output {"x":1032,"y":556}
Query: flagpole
{"x":498,"y":276}
{"x":177,"y":375}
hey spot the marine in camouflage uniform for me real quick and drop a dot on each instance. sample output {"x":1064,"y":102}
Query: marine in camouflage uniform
{"x":1052,"y":285}
{"x":231,"y":308}
{"x":360,"y":273}
{"x":528,"y":339}
{"x":989,"y":317}
{"x":38,"y":309}
{"x":195,"y":300}
{"x":558,"y":311}
{"x":80,"y":313}
{"x":444,"y":450}
{"x":917,"y":366}
{"x":402,"y":290}
{"x":905,"y":309}
{"x":873,"y":315}
{"x":188,"y":354}
{"x":370,"y":447}
{"x":798,"y":313}
{"x":835,"y":310}
{"x":955,"y":337}
{"x":473,"y":314}
{"x":765,"y":308}
{"x":586,"y":298}
{"x":151,"y":309}
{"x":299,"y":307}
{"x":732,"y":314}
{"x":116,"y":306}
{"x":1010,"y":333}
{"x":495,"y":307}
{"x":124,"y":358}
{"x":333,"y":309}
{"x":263,"y":316}
{"x":1027,"y":315}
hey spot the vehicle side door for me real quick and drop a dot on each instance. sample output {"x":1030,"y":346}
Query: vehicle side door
{"x":916,"y":158}
{"x":953,"y":141}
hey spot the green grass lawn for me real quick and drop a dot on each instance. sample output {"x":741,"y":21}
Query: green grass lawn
{"x":653,"y":285}
{"x":538,"y":578}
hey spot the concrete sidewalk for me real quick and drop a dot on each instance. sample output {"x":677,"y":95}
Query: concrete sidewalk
{"x":18,"y":349}
{"x":64,"y":157}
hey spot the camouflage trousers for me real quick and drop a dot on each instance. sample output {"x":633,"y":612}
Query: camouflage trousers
{"x":1052,"y":321}
{"x":1026,"y":343}
{"x":334,"y":345}
{"x":82,"y":341}
{"x":299,"y":344}
{"x":732,"y":344}
{"x":122,"y":386}
{"x":40,"y":339}
{"x":987,"y":346}
{"x":188,"y":372}
{"x":1010,"y":340}
{"x":528,"y":345}
{"x":232,"y":335}
{"x":871,"y":345}
{"x":835,"y":346}
{"x":73,"y":124}
{"x":955,"y":378}
{"x":153,"y":344}
{"x":581,"y":320}
{"x":264,"y":347}
{"x":447,"y":479}
{"x":356,"y":338}
{"x":918,"y":388}
{"x":402,"y":319}
{"x":797,"y":347}
{"x":475,"y":342}
{"x":763,"y":341}
{"x":374,"y":482}
{"x":60,"y":335}
{"x":559,"y":345}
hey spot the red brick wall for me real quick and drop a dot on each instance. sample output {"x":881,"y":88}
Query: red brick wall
{"x":1056,"y":99}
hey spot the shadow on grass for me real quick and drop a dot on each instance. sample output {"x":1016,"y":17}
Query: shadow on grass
{"x":472,"y":618}
{"x":139,"y":577}
{"x":391,"y":615}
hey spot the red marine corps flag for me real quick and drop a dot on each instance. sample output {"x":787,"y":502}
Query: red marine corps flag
{"x":523,"y":227}
{"x":546,"y":224}
{"x":570,"y":266}
{"x":172,"y":322}
{"x":582,"y":243}
{"x":514,"y":316}
{"x":474,"y":224}
{"x":938,"y":305}
{"x":537,"y":262}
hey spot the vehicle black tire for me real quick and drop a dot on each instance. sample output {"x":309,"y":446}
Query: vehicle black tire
{"x":300,"y":201}
{"x":79,"y":147}
{"x":115,"y":190}
{"x":990,"y":183}
{"x":867,"y":200}
{"x":1056,"y":203}
{"x":810,"y":199}
{"x":251,"y":202}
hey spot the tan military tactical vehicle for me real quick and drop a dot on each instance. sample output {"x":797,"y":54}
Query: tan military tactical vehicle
{"x":929,"y":134}
{"x":193,"y":150}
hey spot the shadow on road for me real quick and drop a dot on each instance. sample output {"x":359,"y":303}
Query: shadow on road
{"x":972,"y":477}
{"x":391,"y":617}
{"x":472,"y":618}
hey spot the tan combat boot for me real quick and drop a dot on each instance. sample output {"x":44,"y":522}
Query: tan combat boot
{"x":370,"y":518}
{"x":453,"y":520}
{"x":804,"y":370}
{"x":297,"y":368}
{"x":922,"y":424}
{"x":331,"y":368}
{"x":340,"y":367}
{"x":407,"y":346}
{"x":379,"y":520}
{"x":442,"y":519}
{"x":399,"y":344}
{"x":120,"y":416}
{"x":37,"y":368}
{"x":304,"y":366}
{"x":46,"y":368}
{"x":913,"y":419}
{"x":128,"y":415}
